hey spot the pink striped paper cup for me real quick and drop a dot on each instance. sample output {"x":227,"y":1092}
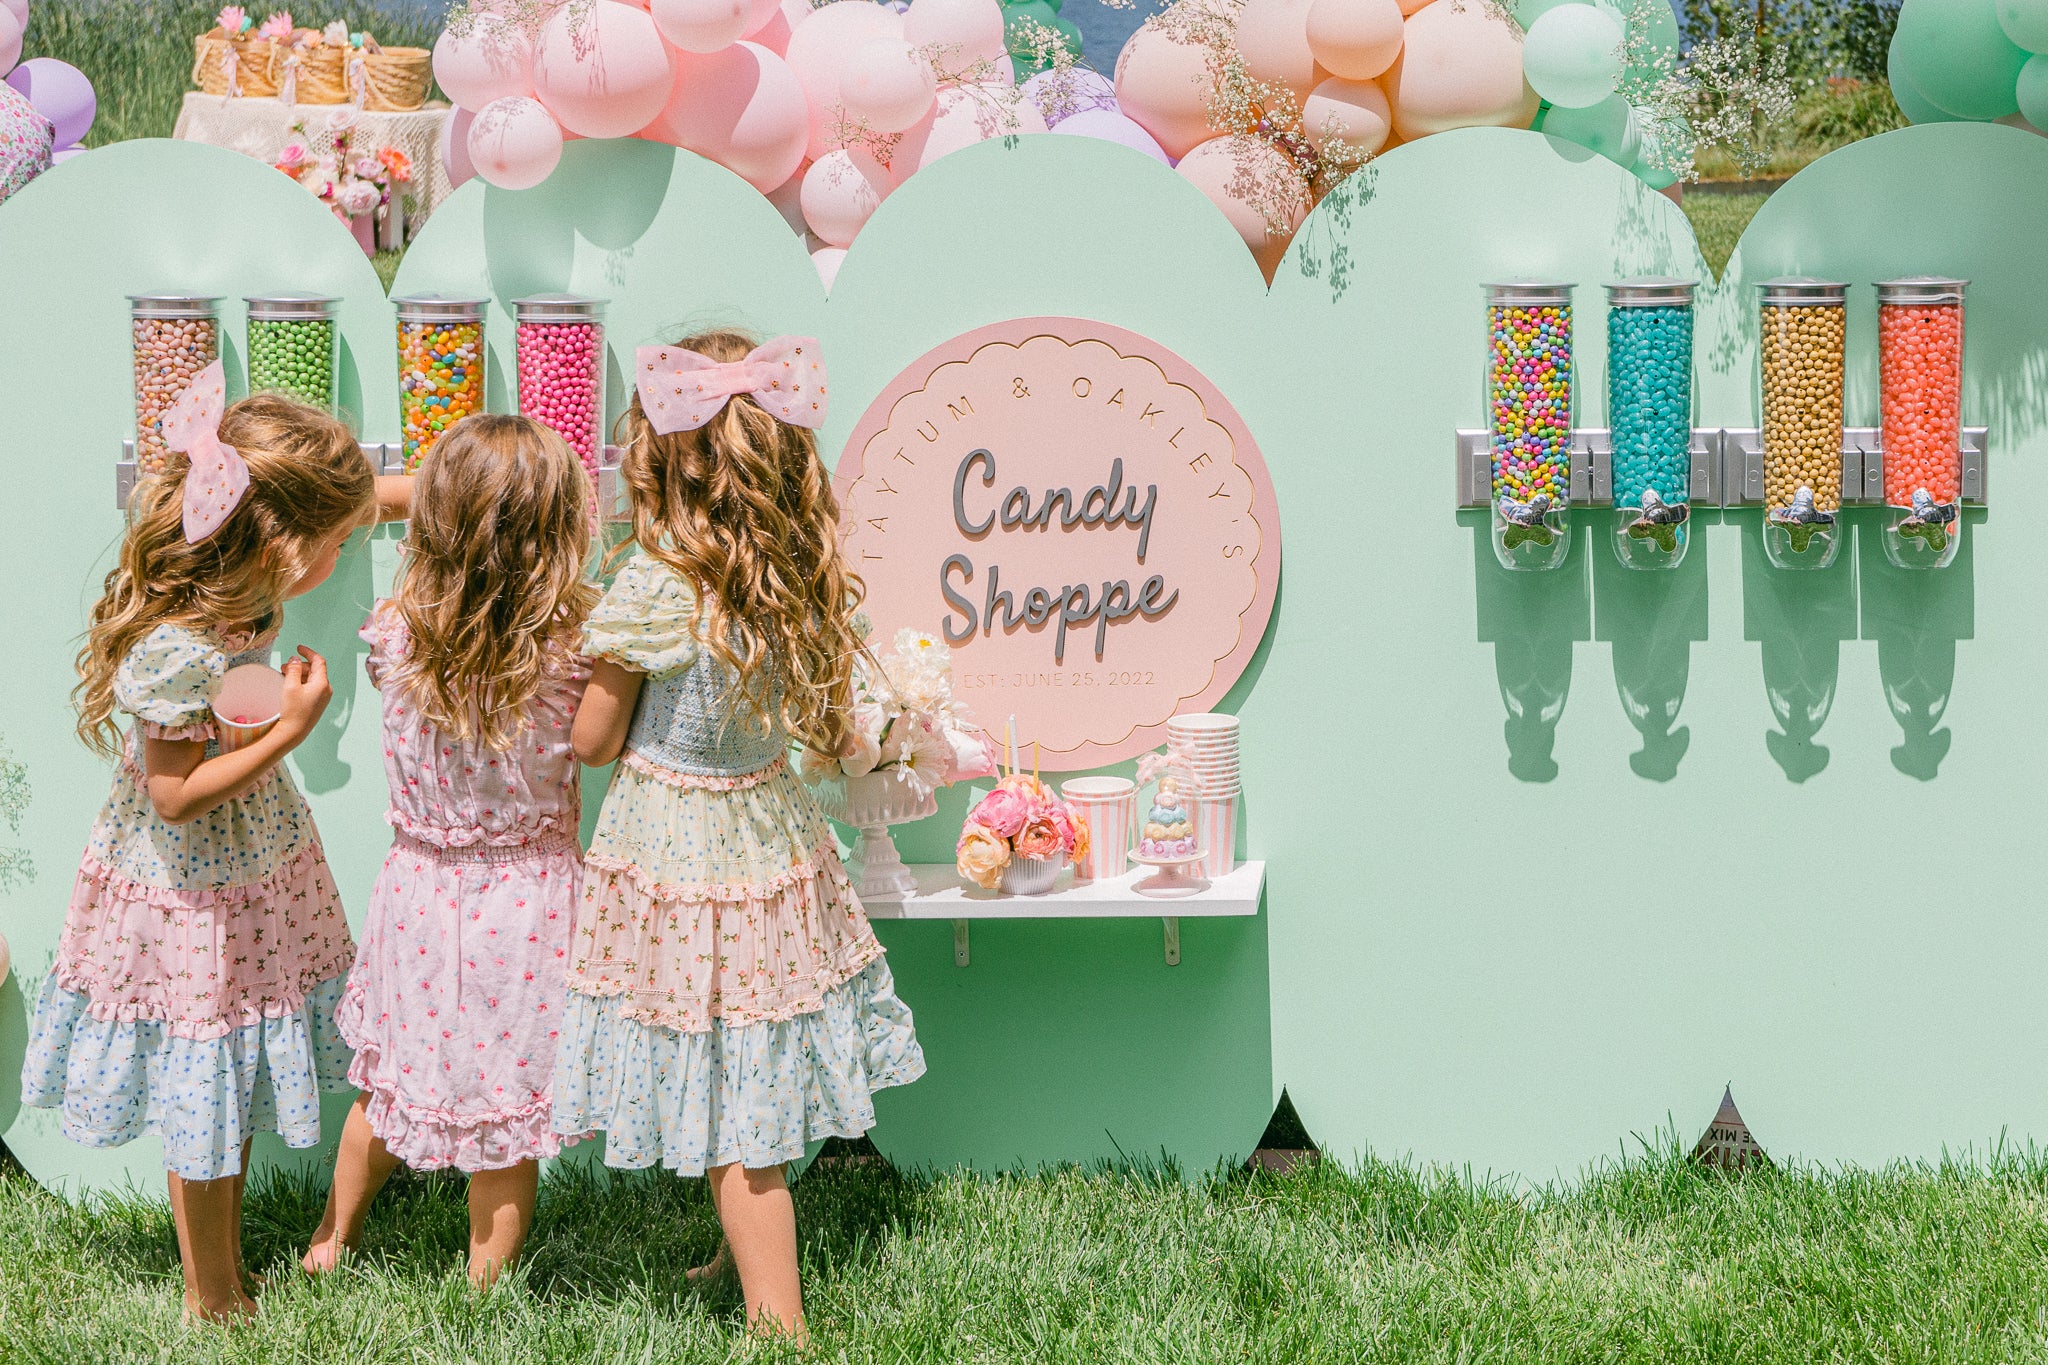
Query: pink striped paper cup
{"x":1216,"y":831}
{"x":1110,"y":805}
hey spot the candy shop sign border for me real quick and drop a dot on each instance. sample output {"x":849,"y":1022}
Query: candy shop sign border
{"x":1081,"y":515}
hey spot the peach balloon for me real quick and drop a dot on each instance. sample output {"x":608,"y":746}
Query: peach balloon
{"x":828,"y":259}
{"x":1411,"y":6}
{"x":493,"y":61}
{"x":1355,"y":112}
{"x":605,"y":75}
{"x":1272,"y":38}
{"x":887,"y":86}
{"x":515,"y":143}
{"x":1164,"y":86}
{"x":818,"y":53}
{"x":741,"y":107}
{"x":701,"y":25}
{"x":962,"y":116}
{"x":1220,"y":168}
{"x":1460,"y":67}
{"x":1355,"y":39}
{"x":842,"y":190}
{"x":960,"y":32}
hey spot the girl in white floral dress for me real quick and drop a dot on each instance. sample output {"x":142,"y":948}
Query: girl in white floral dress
{"x":728,"y":1002}
{"x":204,"y":946}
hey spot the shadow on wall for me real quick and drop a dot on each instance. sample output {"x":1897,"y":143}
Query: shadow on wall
{"x":1916,"y":617}
{"x":1651,"y":621}
{"x":326,"y":620}
{"x":1531,"y":620}
{"x":1801,"y":617}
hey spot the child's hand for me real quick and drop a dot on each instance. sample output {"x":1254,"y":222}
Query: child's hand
{"x":306,"y":693}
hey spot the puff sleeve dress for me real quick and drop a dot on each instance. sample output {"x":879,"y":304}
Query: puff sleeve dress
{"x":727,"y":999}
{"x":196,"y":978}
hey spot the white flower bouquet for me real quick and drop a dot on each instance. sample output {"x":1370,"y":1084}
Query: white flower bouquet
{"x":906,"y":724}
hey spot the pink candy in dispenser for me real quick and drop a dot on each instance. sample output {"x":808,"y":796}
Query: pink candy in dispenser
{"x":561,"y":369}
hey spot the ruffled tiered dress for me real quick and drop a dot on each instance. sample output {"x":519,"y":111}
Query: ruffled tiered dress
{"x":194,"y":990}
{"x":728,"y":1001}
{"x":455,"y":1002}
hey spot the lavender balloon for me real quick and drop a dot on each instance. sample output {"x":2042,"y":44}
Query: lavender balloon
{"x":1110,"y":126}
{"x":1060,"y":97}
{"x":61,"y":93}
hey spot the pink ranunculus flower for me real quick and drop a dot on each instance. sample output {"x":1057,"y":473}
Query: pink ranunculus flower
{"x":292,"y":157}
{"x":981,"y":856}
{"x":1003,"y":810}
{"x":1040,"y":837}
{"x":1062,"y":821}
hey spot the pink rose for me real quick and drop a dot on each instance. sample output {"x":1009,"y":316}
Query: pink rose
{"x":1040,"y":837}
{"x":1003,"y":811}
{"x":1062,"y":822}
{"x":292,"y":157}
{"x":973,"y":755}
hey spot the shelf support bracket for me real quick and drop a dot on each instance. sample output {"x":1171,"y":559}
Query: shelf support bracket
{"x":1173,"y":940}
{"x":959,"y":943}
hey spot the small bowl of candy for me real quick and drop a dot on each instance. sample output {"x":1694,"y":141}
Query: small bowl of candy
{"x":250,"y":701}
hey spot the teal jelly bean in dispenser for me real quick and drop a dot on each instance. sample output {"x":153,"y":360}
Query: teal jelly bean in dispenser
{"x":1529,"y":421}
{"x":1649,"y":411}
{"x":291,"y":346}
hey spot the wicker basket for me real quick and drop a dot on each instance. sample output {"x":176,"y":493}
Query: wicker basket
{"x":396,"y":80}
{"x":257,"y":74}
{"x":323,"y":75}
{"x":210,"y":65}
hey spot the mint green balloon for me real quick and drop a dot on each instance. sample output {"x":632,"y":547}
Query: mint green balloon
{"x":1915,"y":106}
{"x":1573,"y":55}
{"x":2026,"y":23}
{"x":1609,"y":128}
{"x":1955,"y":54}
{"x":2033,"y":91}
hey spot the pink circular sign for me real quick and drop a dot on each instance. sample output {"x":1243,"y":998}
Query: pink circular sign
{"x":1081,"y":516}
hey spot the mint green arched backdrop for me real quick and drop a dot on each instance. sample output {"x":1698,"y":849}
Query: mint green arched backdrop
{"x":1550,"y":857}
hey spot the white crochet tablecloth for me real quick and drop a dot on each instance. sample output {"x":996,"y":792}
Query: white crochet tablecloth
{"x":261,"y":127}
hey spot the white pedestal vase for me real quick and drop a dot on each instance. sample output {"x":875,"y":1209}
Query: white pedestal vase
{"x":871,"y":803}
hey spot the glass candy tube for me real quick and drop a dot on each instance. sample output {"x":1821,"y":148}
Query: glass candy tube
{"x":440,"y":368}
{"x":1802,"y":332}
{"x":561,"y":369}
{"x":175,"y":337}
{"x":1649,"y":412}
{"x":291,"y":347}
{"x":1920,"y":399}
{"x":1529,"y":421}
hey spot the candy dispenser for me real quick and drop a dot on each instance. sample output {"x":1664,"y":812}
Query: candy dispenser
{"x":1920,"y":379}
{"x":1802,"y":336}
{"x":561,"y":369}
{"x":440,"y":368}
{"x":176,"y":336}
{"x":1529,"y":421}
{"x":1649,"y":409}
{"x":291,"y":346}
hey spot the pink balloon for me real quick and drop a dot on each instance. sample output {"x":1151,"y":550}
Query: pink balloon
{"x":1165,"y":85}
{"x":1108,"y":125}
{"x":818,"y":53}
{"x":1272,"y":38}
{"x":1220,"y":167}
{"x":1460,"y":67}
{"x":962,"y":116}
{"x":605,"y":75}
{"x":773,"y":35}
{"x":828,"y":259}
{"x":842,"y":190}
{"x":493,"y":61}
{"x":741,"y":107}
{"x":515,"y":143}
{"x":61,"y":93}
{"x":788,"y":198}
{"x":1357,"y":112}
{"x":455,"y":145}
{"x":1410,"y":6}
{"x":10,"y":40}
{"x":1355,"y":39}
{"x":960,"y":34}
{"x":19,"y":9}
{"x":887,"y":86}
{"x":701,"y":25}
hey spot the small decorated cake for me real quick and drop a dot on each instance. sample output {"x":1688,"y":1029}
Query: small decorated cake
{"x":1169,"y":831}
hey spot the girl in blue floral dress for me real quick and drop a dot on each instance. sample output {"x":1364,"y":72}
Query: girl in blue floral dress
{"x":728,"y":1002}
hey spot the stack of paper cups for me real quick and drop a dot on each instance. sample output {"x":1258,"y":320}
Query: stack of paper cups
{"x":1110,"y":805}
{"x":1206,"y":745}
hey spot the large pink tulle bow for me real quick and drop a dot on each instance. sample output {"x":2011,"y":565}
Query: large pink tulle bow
{"x":218,"y":477}
{"x":681,"y":389}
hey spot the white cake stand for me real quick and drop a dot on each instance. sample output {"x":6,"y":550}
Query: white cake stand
{"x":1171,"y":879}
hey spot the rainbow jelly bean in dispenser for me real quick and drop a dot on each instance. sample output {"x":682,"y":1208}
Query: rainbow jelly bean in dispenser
{"x":1529,"y":395}
{"x":1649,"y":408}
{"x":561,"y":369}
{"x":1920,"y":397}
{"x":176,"y":336}
{"x":1802,"y":334}
{"x":440,"y":368}
{"x":291,"y":347}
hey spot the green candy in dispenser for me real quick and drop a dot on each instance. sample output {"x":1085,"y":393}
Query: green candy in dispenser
{"x":291,"y":346}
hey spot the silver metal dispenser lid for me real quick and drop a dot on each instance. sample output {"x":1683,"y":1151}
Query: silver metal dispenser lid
{"x":290,"y":307}
{"x":1804,"y":291}
{"x":557,"y":308}
{"x":1921,"y":289}
{"x":1650,"y":291}
{"x":173,"y":306}
{"x":1530,"y":294}
{"x":435,"y":308}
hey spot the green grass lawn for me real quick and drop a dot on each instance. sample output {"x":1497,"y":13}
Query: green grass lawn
{"x":1652,"y":1261}
{"x":1718,"y":221}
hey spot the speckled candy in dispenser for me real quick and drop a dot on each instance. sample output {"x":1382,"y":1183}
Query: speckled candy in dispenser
{"x":1649,"y":389}
{"x":176,"y":336}
{"x":291,"y":347}
{"x":1529,"y":392}
{"x":1803,"y":335}
{"x":561,"y":369}
{"x":440,"y":368}
{"x":1920,"y":369}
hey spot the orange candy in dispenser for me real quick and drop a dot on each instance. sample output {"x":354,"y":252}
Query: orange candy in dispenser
{"x":1920,"y":365}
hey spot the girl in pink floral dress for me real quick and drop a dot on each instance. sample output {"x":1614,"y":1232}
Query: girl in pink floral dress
{"x":456,"y":997}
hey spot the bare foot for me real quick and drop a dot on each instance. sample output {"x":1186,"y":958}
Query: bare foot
{"x":324,"y":1255}
{"x":240,"y":1308}
{"x":713,"y":1270}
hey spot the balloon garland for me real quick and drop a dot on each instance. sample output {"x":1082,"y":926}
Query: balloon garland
{"x":46,"y":109}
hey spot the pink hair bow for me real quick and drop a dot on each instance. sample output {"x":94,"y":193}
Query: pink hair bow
{"x":681,"y":389}
{"x":218,"y":477}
